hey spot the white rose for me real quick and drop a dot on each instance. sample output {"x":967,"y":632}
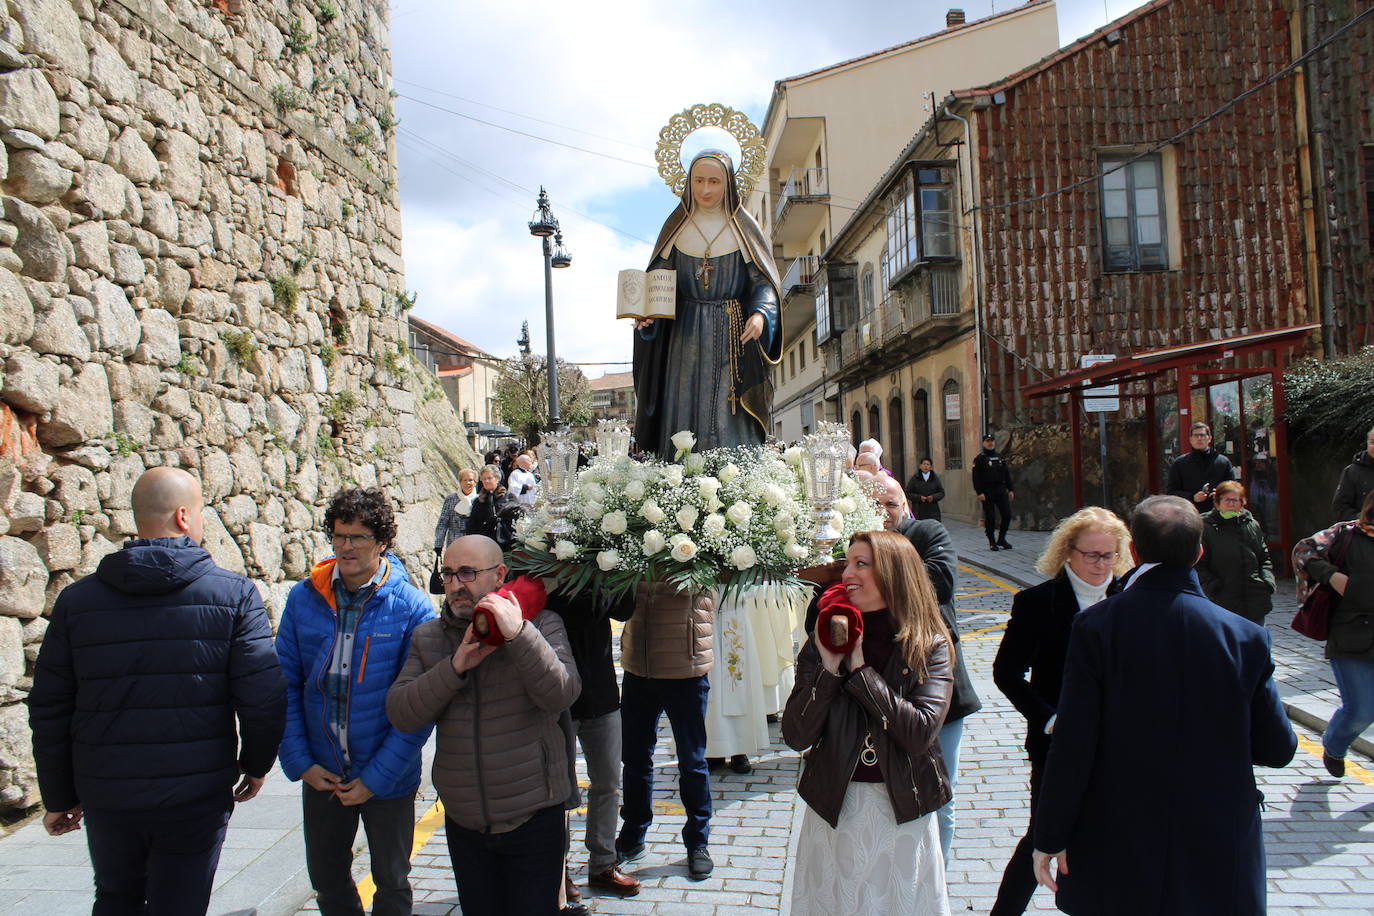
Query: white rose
{"x":614,"y":523}
{"x":739,"y":513}
{"x":683,"y":440}
{"x":714,"y":505}
{"x":592,"y":509}
{"x":651,"y":512}
{"x":683,"y":548}
{"x":773,"y":494}
{"x":743,"y":557}
{"x":593,"y":492}
{"x":694,"y":464}
{"x":714,"y":526}
{"x":653,"y":542}
{"x":728,"y":473}
{"x":672,"y":475}
{"x":608,"y":560}
{"x":794,"y":455}
{"x":634,"y":489}
{"x":783,"y":523}
{"x":844,"y":506}
{"x":794,"y":550}
{"x":838,"y":521}
{"x":537,"y":541}
{"x":686,"y":518}
{"x":565,"y":550}
{"x":708,"y":487}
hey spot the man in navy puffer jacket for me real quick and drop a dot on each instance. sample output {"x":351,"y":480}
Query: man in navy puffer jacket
{"x":344,"y":635}
{"x":144,"y":668}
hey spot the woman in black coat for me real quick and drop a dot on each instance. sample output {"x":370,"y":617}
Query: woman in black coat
{"x":924,"y":491}
{"x":1235,"y":569}
{"x":494,"y":511}
{"x":1086,"y":555}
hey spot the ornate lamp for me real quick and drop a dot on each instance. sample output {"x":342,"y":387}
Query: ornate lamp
{"x":543,"y":224}
{"x":561,"y":257}
{"x":558,"y":472}
{"x":823,"y":463}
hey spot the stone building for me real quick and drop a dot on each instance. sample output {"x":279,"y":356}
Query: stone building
{"x":466,"y":372}
{"x":199,"y":266}
{"x":613,"y":397}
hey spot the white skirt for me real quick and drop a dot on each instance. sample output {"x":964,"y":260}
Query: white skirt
{"x":869,"y":863}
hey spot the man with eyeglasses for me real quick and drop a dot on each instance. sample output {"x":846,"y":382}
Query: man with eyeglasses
{"x":1195,"y":475}
{"x":502,"y":767}
{"x":344,"y":635}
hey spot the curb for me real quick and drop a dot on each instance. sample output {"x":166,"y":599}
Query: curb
{"x":1296,"y":713}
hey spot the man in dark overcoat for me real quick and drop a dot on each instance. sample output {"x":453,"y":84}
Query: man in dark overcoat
{"x":1149,"y":804}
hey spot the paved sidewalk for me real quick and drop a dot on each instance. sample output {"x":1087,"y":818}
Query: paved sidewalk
{"x":1302,"y":674}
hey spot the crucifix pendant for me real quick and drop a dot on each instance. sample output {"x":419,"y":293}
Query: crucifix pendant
{"x":704,"y":273}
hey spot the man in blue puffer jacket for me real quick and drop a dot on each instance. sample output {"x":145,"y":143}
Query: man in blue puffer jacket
{"x":344,"y":635}
{"x":145,"y":667}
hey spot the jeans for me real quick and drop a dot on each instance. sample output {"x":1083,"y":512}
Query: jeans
{"x":156,"y":863}
{"x":1018,"y":878}
{"x":516,"y":873}
{"x":995,"y":503}
{"x":600,"y":740}
{"x":330,"y":827}
{"x":642,"y":702}
{"x":1355,"y":678}
{"x":951,"y":734}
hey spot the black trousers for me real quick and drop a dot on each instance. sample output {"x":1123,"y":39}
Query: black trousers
{"x":329,"y":831}
{"x":516,"y":873}
{"x":156,"y":863}
{"x":996,"y":501}
{"x":1018,"y":879}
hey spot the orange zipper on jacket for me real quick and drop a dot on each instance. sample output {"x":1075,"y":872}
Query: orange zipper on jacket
{"x":362,"y":665}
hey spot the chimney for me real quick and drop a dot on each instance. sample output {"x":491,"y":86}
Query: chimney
{"x":953,"y":18}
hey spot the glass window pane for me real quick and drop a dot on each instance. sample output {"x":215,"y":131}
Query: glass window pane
{"x":1115,"y":203}
{"x":1118,"y":232}
{"x":1145,"y":173}
{"x":1113,"y":181}
{"x":1152,"y":256}
{"x":1146,"y":202}
{"x":1147,"y":230}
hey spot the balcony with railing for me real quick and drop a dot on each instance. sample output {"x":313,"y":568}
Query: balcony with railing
{"x":801,"y":275}
{"x":924,"y":304}
{"x":801,"y":203}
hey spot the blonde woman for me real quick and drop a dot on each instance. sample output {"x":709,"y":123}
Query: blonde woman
{"x":874,"y":777}
{"x":1086,"y":555}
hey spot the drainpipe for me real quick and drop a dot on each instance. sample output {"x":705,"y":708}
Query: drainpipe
{"x":980,"y":351}
{"x":1317,"y":131}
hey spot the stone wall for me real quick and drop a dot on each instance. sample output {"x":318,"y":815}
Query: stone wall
{"x":200,"y":266}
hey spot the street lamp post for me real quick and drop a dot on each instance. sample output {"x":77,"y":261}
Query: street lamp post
{"x":543,"y":226}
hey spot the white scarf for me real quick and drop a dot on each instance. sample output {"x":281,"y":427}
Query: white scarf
{"x":1087,"y":594}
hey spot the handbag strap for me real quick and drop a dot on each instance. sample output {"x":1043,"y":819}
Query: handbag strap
{"x":1341,"y":546}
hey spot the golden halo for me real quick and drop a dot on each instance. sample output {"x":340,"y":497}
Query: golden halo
{"x":753,"y":151}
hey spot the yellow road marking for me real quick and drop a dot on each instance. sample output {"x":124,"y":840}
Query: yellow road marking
{"x":424,"y":829}
{"x":1351,"y":768}
{"x":1006,"y":586}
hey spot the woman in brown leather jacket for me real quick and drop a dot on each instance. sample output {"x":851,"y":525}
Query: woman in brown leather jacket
{"x":868,"y":722}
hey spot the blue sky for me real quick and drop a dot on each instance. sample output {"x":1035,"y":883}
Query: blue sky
{"x":604,"y":77}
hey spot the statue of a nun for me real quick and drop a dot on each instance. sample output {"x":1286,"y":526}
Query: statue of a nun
{"x":707,"y":370}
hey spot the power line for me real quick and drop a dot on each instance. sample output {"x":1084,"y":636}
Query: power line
{"x":580,"y":149}
{"x":526,"y":117}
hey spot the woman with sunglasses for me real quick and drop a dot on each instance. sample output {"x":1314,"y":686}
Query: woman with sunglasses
{"x":1235,"y":570}
{"x":1086,"y":555}
{"x":870,"y":722}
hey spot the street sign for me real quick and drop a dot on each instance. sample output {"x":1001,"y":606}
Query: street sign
{"x":1102,"y":398}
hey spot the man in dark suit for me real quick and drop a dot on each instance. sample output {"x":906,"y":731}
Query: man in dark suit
{"x":1160,"y":680}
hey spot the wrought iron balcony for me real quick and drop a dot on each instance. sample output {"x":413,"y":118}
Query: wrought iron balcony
{"x":802,"y":184}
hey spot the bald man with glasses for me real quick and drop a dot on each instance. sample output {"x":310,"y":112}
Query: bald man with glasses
{"x":343,"y":637}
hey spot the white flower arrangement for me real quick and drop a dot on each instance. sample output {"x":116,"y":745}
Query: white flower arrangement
{"x":737,"y":515}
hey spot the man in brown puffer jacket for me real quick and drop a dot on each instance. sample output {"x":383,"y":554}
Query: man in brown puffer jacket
{"x":666,"y":651}
{"x":501,"y":767}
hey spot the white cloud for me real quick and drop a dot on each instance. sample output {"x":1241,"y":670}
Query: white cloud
{"x":617,"y":69}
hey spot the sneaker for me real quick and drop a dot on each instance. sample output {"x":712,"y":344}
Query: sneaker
{"x":632,"y":853}
{"x":740,"y":764}
{"x":699,"y":864}
{"x":1334,"y":765}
